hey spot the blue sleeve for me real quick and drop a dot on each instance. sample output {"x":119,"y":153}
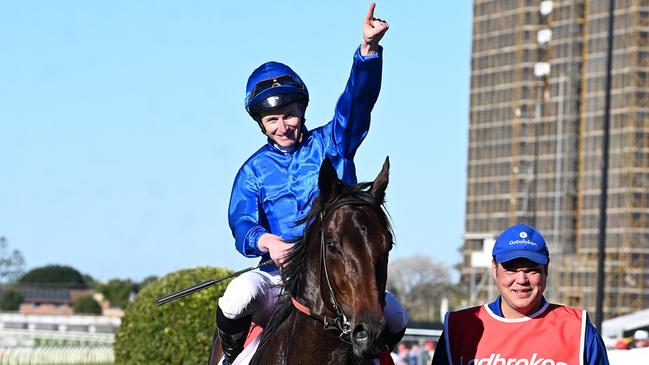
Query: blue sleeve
{"x":244,"y":213}
{"x":594,"y":348}
{"x":351,"y":120}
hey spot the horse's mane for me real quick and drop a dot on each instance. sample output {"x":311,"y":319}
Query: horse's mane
{"x":293,"y":267}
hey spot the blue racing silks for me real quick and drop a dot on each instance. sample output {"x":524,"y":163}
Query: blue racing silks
{"x":275,"y":187}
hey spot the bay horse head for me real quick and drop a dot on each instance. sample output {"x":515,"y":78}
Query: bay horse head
{"x":334,"y":278}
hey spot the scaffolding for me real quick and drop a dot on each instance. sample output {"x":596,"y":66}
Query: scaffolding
{"x":535,"y":142}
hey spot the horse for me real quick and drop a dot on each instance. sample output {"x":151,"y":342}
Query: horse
{"x":331,"y":308}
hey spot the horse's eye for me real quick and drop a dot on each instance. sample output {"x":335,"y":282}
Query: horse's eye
{"x":331,"y":244}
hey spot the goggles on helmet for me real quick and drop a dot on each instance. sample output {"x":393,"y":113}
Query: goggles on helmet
{"x":284,"y":80}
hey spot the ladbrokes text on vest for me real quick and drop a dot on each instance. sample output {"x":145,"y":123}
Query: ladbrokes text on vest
{"x":497,"y":359}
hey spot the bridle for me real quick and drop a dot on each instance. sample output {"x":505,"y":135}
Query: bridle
{"x":339,"y":323}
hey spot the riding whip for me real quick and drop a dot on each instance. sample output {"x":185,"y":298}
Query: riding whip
{"x":206,"y":284}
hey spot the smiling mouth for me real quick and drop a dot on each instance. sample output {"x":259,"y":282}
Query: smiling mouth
{"x":522,"y":292}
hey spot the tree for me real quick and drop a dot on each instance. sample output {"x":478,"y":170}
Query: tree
{"x":147,"y":280}
{"x":179,"y":332}
{"x":12,"y":262}
{"x":117,"y":291}
{"x":420,"y":283}
{"x":90,"y":281}
{"x":10,"y":300}
{"x":54,"y":276}
{"x":86,"y":305}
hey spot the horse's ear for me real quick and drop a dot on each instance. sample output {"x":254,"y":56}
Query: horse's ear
{"x":328,"y":182}
{"x":381,"y":182}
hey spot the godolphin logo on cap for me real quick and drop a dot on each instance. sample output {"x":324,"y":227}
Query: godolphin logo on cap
{"x":523,"y":241}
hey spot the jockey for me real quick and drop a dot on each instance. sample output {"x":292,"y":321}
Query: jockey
{"x":276,"y":186}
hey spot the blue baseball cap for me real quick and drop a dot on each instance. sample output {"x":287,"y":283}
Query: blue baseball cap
{"x":519,"y":241}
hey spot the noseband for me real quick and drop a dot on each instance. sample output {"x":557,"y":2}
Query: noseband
{"x":339,"y":323}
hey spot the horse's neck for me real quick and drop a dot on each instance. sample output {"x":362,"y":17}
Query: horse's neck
{"x":303,"y":340}
{"x":316,"y":344}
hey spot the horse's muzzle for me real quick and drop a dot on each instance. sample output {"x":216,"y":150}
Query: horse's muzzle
{"x":367,"y":338}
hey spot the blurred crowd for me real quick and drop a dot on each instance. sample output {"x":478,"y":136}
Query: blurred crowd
{"x":639,"y":339}
{"x":413,"y":354}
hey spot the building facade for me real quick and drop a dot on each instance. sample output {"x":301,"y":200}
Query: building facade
{"x":49,"y":301}
{"x":538,"y":85}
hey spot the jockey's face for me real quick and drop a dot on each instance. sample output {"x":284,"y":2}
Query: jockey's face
{"x":521,"y":283}
{"x":283,"y":125}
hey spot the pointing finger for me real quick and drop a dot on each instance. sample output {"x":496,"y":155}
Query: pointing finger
{"x":370,"y":13}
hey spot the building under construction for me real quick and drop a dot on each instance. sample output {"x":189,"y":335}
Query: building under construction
{"x":538,"y":86}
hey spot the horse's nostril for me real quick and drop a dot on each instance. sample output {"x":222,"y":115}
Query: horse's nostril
{"x":365,"y":340}
{"x":360,"y":334}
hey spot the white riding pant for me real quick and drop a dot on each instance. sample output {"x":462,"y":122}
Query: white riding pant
{"x":255,"y":293}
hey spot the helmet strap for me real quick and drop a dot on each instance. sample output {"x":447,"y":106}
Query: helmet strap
{"x":263,"y":130}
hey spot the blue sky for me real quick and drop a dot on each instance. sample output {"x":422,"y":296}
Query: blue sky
{"x":122,"y":123}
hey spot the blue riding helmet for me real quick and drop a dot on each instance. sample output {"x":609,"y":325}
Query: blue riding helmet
{"x":273,"y":85}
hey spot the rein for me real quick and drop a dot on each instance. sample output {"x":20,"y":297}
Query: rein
{"x":340,"y":322}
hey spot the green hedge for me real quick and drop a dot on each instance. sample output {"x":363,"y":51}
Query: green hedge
{"x":86,"y":305}
{"x":179,"y":332}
